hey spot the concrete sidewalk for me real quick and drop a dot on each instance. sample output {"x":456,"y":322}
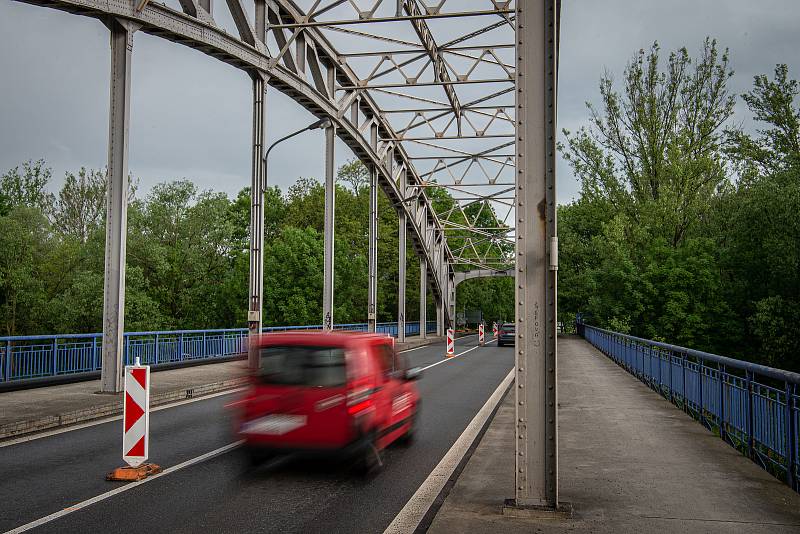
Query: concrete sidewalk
{"x":34,"y":410}
{"x":629,"y":462}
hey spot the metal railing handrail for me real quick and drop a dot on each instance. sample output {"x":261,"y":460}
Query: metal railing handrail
{"x":755,"y":368}
{"x":206,"y":330}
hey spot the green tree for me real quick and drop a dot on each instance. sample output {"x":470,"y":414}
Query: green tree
{"x":80,"y":207}
{"x":26,"y":188}
{"x":655,"y":151}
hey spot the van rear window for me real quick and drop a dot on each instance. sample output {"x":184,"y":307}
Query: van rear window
{"x":303,"y":366}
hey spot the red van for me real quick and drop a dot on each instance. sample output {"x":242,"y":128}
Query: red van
{"x":320,"y":392}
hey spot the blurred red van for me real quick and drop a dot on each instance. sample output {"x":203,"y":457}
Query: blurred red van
{"x":321,"y":392}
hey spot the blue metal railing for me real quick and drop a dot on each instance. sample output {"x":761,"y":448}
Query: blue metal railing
{"x":31,"y":357}
{"x":754,"y":408}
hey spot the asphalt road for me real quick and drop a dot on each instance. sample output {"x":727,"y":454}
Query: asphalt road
{"x":223,"y":494}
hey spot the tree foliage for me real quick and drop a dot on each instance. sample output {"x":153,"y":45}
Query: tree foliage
{"x":188,"y":254}
{"x":686,"y":229}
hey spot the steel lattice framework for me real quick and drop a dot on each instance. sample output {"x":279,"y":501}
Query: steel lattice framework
{"x":431,"y":96}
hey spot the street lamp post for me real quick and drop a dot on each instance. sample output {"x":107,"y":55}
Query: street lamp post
{"x":254,"y":315}
{"x":316,"y":125}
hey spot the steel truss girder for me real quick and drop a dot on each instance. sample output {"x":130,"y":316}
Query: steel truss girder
{"x":199,"y":33}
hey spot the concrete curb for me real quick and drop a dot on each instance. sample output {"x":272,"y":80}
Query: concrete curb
{"x":21,"y":428}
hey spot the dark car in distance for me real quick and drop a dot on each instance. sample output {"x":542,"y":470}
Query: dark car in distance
{"x":505,"y":334}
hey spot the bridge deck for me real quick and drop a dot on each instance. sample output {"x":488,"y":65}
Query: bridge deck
{"x":629,"y":462}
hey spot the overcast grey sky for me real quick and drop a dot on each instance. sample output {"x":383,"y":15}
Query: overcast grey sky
{"x":191,"y":114}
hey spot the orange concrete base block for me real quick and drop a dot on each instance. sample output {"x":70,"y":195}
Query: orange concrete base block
{"x":133,"y":474}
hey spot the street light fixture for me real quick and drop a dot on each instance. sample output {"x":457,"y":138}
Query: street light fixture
{"x":254,"y":320}
{"x":316,"y":125}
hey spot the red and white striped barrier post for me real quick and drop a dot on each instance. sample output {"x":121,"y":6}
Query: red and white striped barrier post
{"x":480,"y":334}
{"x":494,"y":329}
{"x":451,"y":345}
{"x":135,"y":425}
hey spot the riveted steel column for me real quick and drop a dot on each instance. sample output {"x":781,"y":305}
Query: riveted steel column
{"x":372,"y":245}
{"x":451,"y":288}
{"x":535,"y":399}
{"x":116,"y":205}
{"x":423,"y":297}
{"x":401,"y":267}
{"x":330,"y":221}
{"x":372,"y":297}
{"x":439,"y":317}
{"x":257,"y":186}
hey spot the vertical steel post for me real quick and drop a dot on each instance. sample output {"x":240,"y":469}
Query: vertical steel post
{"x":536,"y":457}
{"x":116,"y":204}
{"x":401,"y":264}
{"x":451,"y":287}
{"x":258,"y":184}
{"x":423,"y":298}
{"x":372,"y":245}
{"x":439,"y":317}
{"x":330,"y":219}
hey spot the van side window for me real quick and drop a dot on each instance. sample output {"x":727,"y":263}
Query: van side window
{"x":386,"y":358}
{"x":400,"y":362}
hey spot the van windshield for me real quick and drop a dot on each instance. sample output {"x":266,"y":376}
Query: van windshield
{"x":303,"y":366}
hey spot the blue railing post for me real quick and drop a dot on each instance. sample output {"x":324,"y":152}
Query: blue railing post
{"x":750,"y":440}
{"x":155,"y":351}
{"x":658,"y":364}
{"x":8,"y":361}
{"x":205,"y":351}
{"x":791,"y":437}
{"x":721,"y":369}
{"x":55,"y":356}
{"x":94,"y":353}
{"x":127,"y":350}
{"x":701,"y":414}
{"x":669,"y":366}
{"x":180,"y":347}
{"x":683,"y":384}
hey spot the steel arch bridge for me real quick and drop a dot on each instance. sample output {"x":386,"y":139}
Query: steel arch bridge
{"x":430,"y":95}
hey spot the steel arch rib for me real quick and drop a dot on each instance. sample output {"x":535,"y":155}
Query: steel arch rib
{"x":165,"y":22}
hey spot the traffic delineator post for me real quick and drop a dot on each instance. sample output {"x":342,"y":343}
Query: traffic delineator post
{"x":451,"y":349}
{"x":494,"y":329}
{"x":480,"y":334}
{"x":135,"y":426}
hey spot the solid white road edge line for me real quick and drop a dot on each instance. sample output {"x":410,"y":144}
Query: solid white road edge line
{"x":415,"y":509}
{"x":126,"y":487}
{"x":456,"y":356}
{"x":104,"y":420}
{"x":428,"y":345}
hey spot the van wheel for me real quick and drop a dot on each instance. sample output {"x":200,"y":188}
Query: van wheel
{"x":407,"y":439}
{"x":370,"y":460}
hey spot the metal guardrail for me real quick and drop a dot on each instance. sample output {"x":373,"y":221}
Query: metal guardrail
{"x":33,"y":357}
{"x":754,"y":408}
